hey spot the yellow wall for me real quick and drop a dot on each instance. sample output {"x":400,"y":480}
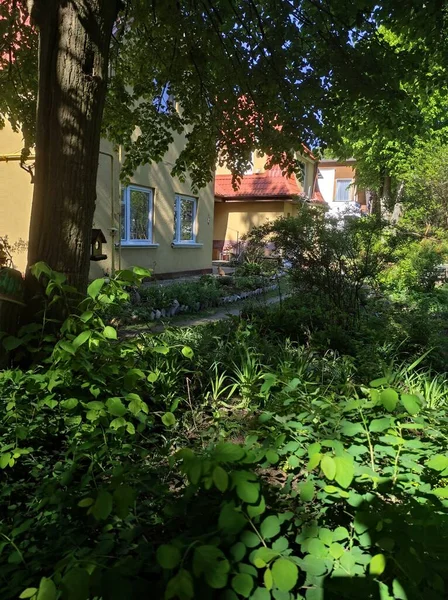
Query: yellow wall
{"x":16,"y":195}
{"x":234,"y":219}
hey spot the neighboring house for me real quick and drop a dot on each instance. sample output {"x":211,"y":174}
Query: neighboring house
{"x":156,"y":222}
{"x":263,"y":195}
{"x":336,"y":183}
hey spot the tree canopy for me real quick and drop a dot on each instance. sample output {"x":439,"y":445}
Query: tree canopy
{"x":366,"y":78}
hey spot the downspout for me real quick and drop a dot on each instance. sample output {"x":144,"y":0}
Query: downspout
{"x":13,"y":157}
{"x":113,"y":229}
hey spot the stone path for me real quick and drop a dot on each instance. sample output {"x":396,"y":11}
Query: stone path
{"x":193,"y":321}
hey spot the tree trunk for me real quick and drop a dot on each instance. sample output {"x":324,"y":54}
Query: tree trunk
{"x":74,"y":40}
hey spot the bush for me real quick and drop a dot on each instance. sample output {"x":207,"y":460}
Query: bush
{"x":334,"y":257}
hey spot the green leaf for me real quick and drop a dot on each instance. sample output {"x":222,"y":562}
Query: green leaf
{"x":317,"y":548}
{"x":117,"y":423}
{"x":314,"y":461}
{"x":250,"y":539}
{"x":227,"y":452}
{"x":86,"y":316}
{"x":168,"y":419}
{"x":110,"y":333}
{"x":168,"y":556}
{"x":247,"y":486}
{"x":28,"y":593}
{"x":351,"y":429}
{"x":238,"y":551}
{"x":326,"y":535}
{"x":336,"y":550}
{"x":103,"y":505}
{"x":180,"y":586}
{"x":345,"y":470}
{"x":141,"y":271}
{"x":270,"y":527}
{"x":377,"y":425}
{"x":440,"y":492}
{"x":328,"y":467}
{"x":160,"y":349}
{"x":243,"y":584}
{"x":285,"y":574}
{"x":398,"y":590}
{"x":81,"y":338}
{"x":411,"y":403}
{"x":272,"y":457}
{"x":438,"y":462}
{"x":4,"y":460}
{"x":47,"y":590}
{"x":257,"y":509}
{"x":264,"y":555}
{"x":85,"y":502}
{"x":76,"y":584}
{"x":187,"y":352}
{"x":280,"y":545}
{"x":95,"y":287}
{"x":67,"y":346}
{"x":379,"y":382}
{"x":231,"y":520}
{"x":220,"y":478}
{"x":268,"y":579}
{"x":377,"y":565}
{"x":306,"y":491}
{"x":116,"y":407}
{"x":340,"y":533}
{"x":11,"y":342}
{"x":211,"y":561}
{"x":389,"y":399}
{"x":69,"y":404}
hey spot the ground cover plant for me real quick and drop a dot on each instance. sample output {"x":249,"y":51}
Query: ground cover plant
{"x":224,"y":461}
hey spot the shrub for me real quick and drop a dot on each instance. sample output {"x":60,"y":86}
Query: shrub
{"x":334,"y":257}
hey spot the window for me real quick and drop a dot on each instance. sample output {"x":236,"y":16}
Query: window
{"x":343,"y":190}
{"x":136,"y":215}
{"x":184,"y":220}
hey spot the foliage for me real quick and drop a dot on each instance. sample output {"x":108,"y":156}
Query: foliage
{"x":415,"y":267}
{"x":332,"y":255}
{"x":221,"y":461}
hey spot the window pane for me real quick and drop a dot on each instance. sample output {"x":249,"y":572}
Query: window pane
{"x":186,"y":219}
{"x":343,"y":189}
{"x":139,"y":217}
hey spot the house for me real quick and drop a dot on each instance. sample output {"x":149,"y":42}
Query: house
{"x":337,"y":184}
{"x":263,"y":195}
{"x":156,"y":222}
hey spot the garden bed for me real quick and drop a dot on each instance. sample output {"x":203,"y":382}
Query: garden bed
{"x":152,"y":302}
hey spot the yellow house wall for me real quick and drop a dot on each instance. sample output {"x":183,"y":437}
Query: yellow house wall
{"x":15,"y":196}
{"x":15,"y":207}
{"x":234,"y":219}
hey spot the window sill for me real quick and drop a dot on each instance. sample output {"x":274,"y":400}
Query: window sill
{"x":186,"y":245}
{"x":131,"y":245}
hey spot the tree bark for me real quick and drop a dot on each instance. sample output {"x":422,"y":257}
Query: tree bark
{"x":74,"y":41}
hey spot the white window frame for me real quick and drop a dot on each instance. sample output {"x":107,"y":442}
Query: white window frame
{"x":350,"y":181}
{"x":177,"y":225}
{"x":127,"y":241}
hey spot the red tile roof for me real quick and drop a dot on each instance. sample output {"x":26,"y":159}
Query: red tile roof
{"x":261,"y":186}
{"x":270,"y":184}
